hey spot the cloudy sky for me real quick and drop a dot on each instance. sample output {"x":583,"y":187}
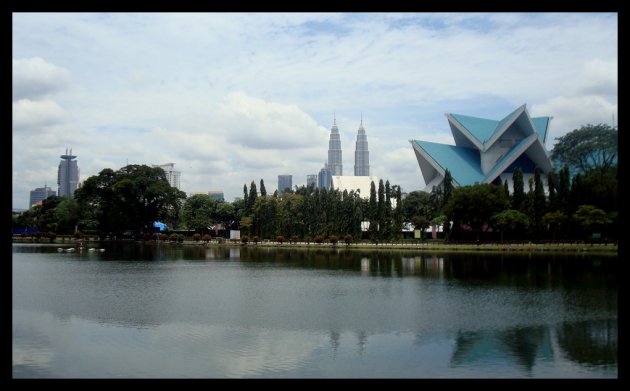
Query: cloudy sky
{"x":235,"y":97}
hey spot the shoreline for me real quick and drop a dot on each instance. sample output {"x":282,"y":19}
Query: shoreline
{"x":597,"y":248}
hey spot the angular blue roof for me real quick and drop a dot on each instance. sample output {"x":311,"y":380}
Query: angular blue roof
{"x":463,"y":163}
{"x":480,"y":139}
{"x":541,"y":124}
{"x":482,"y":129}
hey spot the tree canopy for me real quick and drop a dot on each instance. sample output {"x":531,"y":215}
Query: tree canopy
{"x":590,"y":147}
{"x":131,"y":198}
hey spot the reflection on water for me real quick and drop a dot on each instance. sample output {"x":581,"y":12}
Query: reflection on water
{"x":196,"y":311}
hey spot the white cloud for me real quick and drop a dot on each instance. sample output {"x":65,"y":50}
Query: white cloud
{"x":571,"y":113}
{"x":235,"y":97}
{"x":35,"y":78}
{"x":34,"y":116}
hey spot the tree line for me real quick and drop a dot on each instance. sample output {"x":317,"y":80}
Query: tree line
{"x":572,"y":207}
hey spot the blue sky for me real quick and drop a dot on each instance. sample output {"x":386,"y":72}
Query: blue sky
{"x":235,"y":97}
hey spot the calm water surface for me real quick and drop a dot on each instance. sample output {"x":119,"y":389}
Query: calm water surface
{"x":152,"y":311}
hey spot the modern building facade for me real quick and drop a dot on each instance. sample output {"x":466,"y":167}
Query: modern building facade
{"x":486,"y":150}
{"x":324,"y":178}
{"x":216,"y":195}
{"x":361,"y":154}
{"x":67,"y":175}
{"x":335,"y":163}
{"x":40,"y":194}
{"x":172,"y":176}
{"x":311,"y":180}
{"x":284,"y":182}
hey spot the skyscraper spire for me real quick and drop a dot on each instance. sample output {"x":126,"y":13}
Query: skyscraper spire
{"x":361,"y":153}
{"x":334,"y":150}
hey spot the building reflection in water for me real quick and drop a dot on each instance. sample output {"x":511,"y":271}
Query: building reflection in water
{"x":426,"y":266}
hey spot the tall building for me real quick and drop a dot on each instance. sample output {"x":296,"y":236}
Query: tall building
{"x":311,"y":180}
{"x":40,"y":194}
{"x":324,"y":178}
{"x":361,"y":154}
{"x":67,"y":175}
{"x":171,"y":175}
{"x":334,"y":151}
{"x":284,"y":182}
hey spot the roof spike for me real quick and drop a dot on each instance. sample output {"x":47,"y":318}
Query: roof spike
{"x":334,"y":118}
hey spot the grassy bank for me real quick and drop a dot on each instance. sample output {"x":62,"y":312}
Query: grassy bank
{"x":433,"y":246}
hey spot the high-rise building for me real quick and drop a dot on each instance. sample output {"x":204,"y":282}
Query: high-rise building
{"x":361,"y":154}
{"x":171,"y":175}
{"x":216,"y":195}
{"x":324,"y":178}
{"x":284,"y":182}
{"x":67,"y":175}
{"x":334,"y":151}
{"x":311,"y":180}
{"x":40,"y":194}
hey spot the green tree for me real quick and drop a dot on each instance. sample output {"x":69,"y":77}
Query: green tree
{"x":381,"y":209}
{"x":590,"y":218}
{"x":474,"y":206}
{"x":510,"y":221}
{"x":263,"y":191}
{"x":420,"y":223}
{"x":197,"y":212}
{"x":592,"y":147}
{"x":251,"y":199}
{"x":447,"y":186}
{"x":225,"y":213}
{"x":564,"y":190}
{"x":553,"y":222}
{"x":373,"y":212}
{"x":518,"y":192}
{"x":540,"y":207}
{"x":397,"y":224}
{"x":551,"y":191}
{"x":131,"y":198}
{"x":417,"y":203}
{"x":67,"y":216}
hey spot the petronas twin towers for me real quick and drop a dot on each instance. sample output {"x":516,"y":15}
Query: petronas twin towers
{"x":334,"y":165}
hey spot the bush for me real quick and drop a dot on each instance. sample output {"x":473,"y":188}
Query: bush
{"x":180,"y":238}
{"x":255,"y":239}
{"x":220,"y":240}
{"x":244,"y":239}
{"x":280,"y":239}
{"x":78,"y":235}
{"x":333,"y":239}
{"x":164,"y":236}
{"x":294,"y":239}
{"x":146,"y":236}
{"x":206,"y":238}
{"x":318,"y":239}
{"x":196,"y":237}
{"x":173,"y":237}
{"x":347,"y":239}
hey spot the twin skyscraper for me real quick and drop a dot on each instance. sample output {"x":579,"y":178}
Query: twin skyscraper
{"x":334,"y":165}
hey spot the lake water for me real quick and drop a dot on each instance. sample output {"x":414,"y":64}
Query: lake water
{"x":160,"y":311}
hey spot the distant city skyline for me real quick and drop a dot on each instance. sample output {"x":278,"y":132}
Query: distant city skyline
{"x":235,"y":97}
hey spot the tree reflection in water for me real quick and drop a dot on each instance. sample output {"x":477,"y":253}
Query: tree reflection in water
{"x":590,"y":342}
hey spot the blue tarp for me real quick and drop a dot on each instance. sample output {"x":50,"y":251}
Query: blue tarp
{"x":19,"y":231}
{"x":161,"y":226}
